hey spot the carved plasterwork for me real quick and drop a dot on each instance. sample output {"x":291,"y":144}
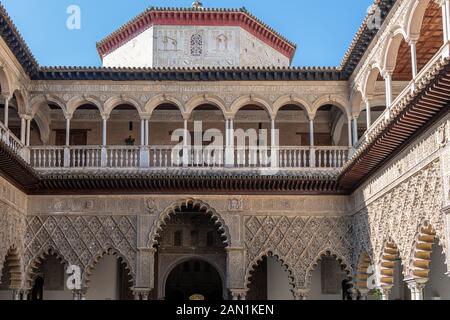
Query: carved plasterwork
{"x":297,"y":241}
{"x":398,"y":214}
{"x":81,"y":240}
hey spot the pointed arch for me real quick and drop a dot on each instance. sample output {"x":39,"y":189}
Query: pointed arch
{"x":165,"y":216}
{"x":327,"y":253}
{"x":161,"y":99}
{"x":116,"y":101}
{"x":247,"y":100}
{"x":270,"y":253}
{"x":88,"y":271}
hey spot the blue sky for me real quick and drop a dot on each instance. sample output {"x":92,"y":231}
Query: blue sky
{"x":322,"y":29}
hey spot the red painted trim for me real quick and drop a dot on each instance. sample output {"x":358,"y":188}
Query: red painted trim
{"x":189,"y":18}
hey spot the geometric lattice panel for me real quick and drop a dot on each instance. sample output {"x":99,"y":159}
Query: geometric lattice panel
{"x":297,"y":241}
{"x":80,"y":239}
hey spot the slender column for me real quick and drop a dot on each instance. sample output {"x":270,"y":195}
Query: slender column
{"x":66,"y":149}
{"x":273,"y":145}
{"x":229,"y":150}
{"x":147,"y":132}
{"x":445,"y":20}
{"x":185,"y":145}
{"x":227,"y":133}
{"x":363,"y":293}
{"x":28,"y":131}
{"x":355,"y":131}
{"x":23,"y":129}
{"x":68,"y":131}
{"x":385,"y":292}
{"x":388,"y":82}
{"x":104,"y":153}
{"x":143,"y":133}
{"x":416,"y":287}
{"x":231,"y":132}
{"x":350,"y":139}
{"x":105,"y":123}
{"x":6,"y":122}
{"x":412,"y":45}
{"x":368,"y":114}
{"x":311,"y":132}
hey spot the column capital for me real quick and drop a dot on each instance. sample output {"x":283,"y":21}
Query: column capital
{"x":141,"y":293}
{"x":68,"y":116}
{"x":416,"y":283}
{"x":238,"y":294}
{"x":301,"y":293}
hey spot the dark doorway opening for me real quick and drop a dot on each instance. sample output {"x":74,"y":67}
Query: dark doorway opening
{"x":194,"y":280}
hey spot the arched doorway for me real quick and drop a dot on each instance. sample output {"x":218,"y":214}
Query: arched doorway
{"x":190,"y":254}
{"x":194,"y":280}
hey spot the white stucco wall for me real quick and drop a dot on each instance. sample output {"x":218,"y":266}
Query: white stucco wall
{"x":438,"y":287}
{"x":104,"y":281}
{"x":170,"y":46}
{"x":135,"y":53}
{"x":316,"y":287}
{"x":278,"y":287}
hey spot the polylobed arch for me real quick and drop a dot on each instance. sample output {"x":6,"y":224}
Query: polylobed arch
{"x":13,"y":263}
{"x":389,"y":256}
{"x":79,"y":101}
{"x":199,"y":101}
{"x":88,"y":271}
{"x":251,"y":268}
{"x":422,"y":250}
{"x":117,"y":101}
{"x":345,"y":265}
{"x":171,"y":210}
{"x":251,"y":100}
{"x":362,"y":275}
{"x":38,"y":259}
{"x":163,"y":99}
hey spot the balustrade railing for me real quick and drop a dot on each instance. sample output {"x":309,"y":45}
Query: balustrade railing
{"x":45,"y":157}
{"x":10,"y":139}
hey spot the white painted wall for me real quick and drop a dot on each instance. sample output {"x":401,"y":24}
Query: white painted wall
{"x":135,"y":53}
{"x":438,"y":287}
{"x":104,"y":281}
{"x":316,"y":287}
{"x":278,"y":287}
{"x":170,"y":46}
